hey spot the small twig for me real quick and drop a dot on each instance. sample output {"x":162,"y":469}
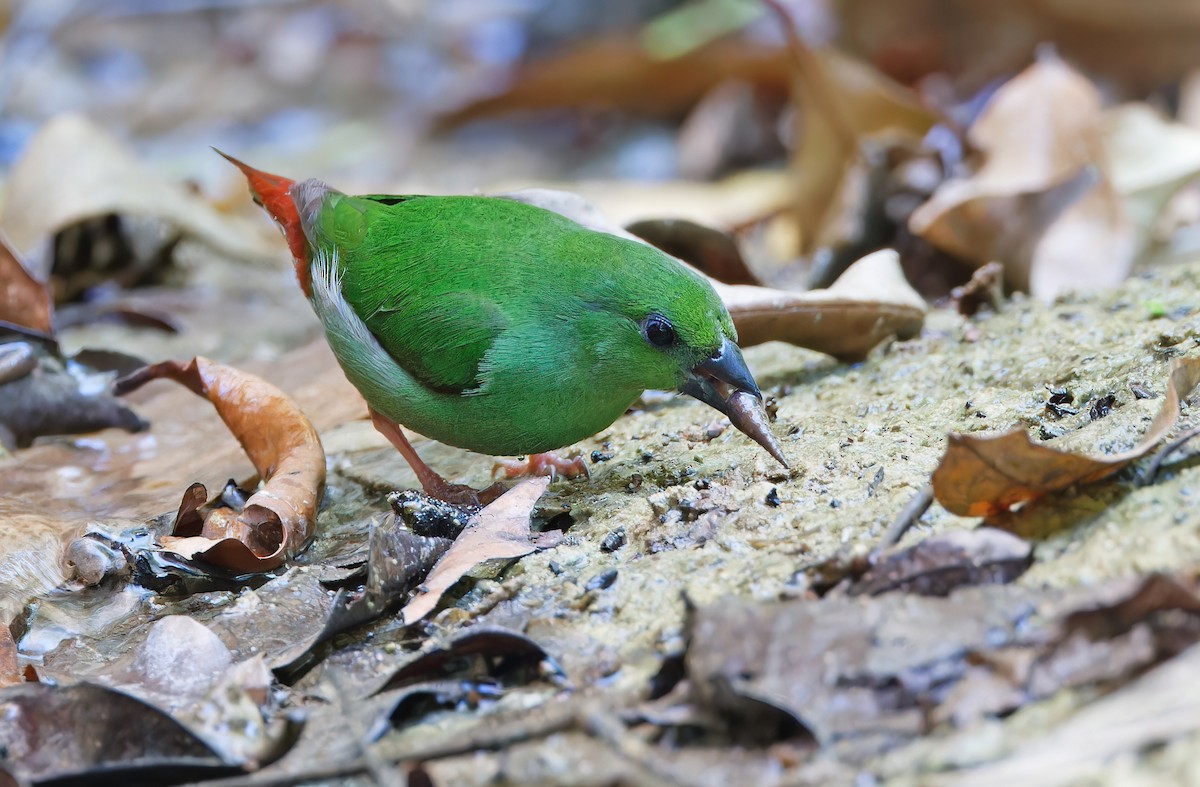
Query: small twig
{"x":588,"y":716}
{"x":602,"y":725}
{"x":908,"y":517}
{"x":1160,"y":457}
{"x":496,"y":734}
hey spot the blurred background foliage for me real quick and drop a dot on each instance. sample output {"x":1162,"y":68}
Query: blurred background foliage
{"x":868,"y":104}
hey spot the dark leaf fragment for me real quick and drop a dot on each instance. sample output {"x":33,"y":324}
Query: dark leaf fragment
{"x":89,"y":734}
{"x":868,"y":674}
{"x":45,"y":395}
{"x":479,"y":651}
{"x":397,"y":562}
{"x":708,"y":249}
{"x":474,"y":667}
{"x":939,"y":564}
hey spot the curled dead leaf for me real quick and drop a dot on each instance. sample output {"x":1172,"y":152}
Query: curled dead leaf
{"x":500,"y":530}
{"x":985,"y":475}
{"x":285,"y":450}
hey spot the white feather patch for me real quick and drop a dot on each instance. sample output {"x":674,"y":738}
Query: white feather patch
{"x":345,"y":329}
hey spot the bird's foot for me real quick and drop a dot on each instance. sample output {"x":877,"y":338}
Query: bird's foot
{"x":463,"y":495}
{"x":550,"y":464}
{"x":432,"y":483}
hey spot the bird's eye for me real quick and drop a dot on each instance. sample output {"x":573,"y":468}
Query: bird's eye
{"x":658,"y":331}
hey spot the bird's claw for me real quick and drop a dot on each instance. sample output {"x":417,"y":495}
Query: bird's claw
{"x":550,"y":464}
{"x":464,"y":495}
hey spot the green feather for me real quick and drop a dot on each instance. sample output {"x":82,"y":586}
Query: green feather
{"x":493,"y":325}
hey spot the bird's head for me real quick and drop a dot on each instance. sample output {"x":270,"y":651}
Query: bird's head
{"x":675,"y":333}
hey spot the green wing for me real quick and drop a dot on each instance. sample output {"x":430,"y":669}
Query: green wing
{"x":398,"y":274}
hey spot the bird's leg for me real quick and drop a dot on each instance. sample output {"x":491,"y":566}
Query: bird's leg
{"x":432,"y":483}
{"x":550,"y":464}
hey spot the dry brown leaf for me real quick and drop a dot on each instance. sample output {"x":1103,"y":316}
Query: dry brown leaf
{"x":843,"y":103}
{"x":620,"y":72}
{"x":987,"y":475}
{"x":105,"y":178}
{"x":868,"y":303}
{"x":739,"y":200}
{"x":1037,"y":134}
{"x":24,"y":301}
{"x":1138,"y":46}
{"x":501,"y":530}
{"x":285,"y":450}
{"x":1152,"y":159}
{"x":709,"y":250}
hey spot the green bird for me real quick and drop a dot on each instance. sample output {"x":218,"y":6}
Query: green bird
{"x":501,"y":327}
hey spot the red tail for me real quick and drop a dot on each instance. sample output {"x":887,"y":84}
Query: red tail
{"x":274,"y":193}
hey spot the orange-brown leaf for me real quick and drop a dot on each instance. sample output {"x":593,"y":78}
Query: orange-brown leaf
{"x":617,"y":71}
{"x":24,"y":301}
{"x":283,"y":447}
{"x":987,"y":475}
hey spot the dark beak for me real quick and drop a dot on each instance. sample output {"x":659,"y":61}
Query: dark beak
{"x":711,"y":382}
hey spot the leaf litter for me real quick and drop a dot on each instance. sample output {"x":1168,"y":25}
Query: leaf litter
{"x":278,"y":518}
{"x":44,"y":392}
{"x":986,"y":475}
{"x":401,"y":561}
{"x":864,"y":675}
{"x":811,"y":409}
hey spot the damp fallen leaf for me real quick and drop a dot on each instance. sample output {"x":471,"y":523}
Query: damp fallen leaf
{"x":285,"y":450}
{"x":499,"y":531}
{"x":937,"y":565}
{"x":483,"y":661}
{"x":76,"y":733}
{"x":985,"y":475}
{"x":868,"y":674}
{"x":55,"y":396}
{"x":488,"y":644}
